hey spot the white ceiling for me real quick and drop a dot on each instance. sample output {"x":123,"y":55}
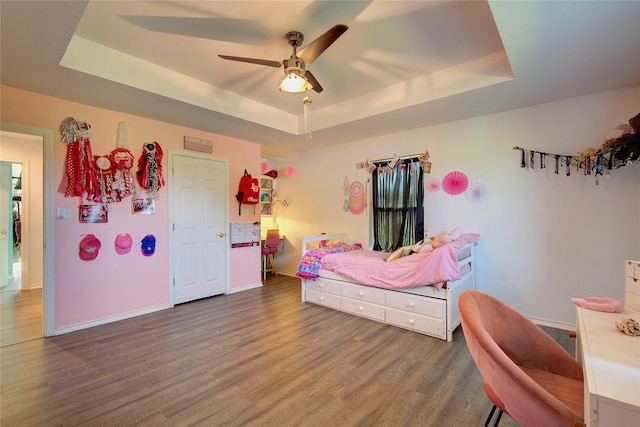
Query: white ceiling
{"x":401,"y":65}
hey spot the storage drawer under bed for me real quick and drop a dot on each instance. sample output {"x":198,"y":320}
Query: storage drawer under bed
{"x":417,"y":304}
{"x":416,"y":322}
{"x":323,"y":298}
{"x":362,"y":308}
{"x":364,"y":293}
{"x":324,"y":285}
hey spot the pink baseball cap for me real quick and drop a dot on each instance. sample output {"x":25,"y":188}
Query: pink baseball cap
{"x":89,"y":247}
{"x":123,"y":243}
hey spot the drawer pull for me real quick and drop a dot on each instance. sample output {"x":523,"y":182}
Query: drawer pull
{"x":321,"y":298}
{"x":412,"y":304}
{"x":412,"y":322}
{"x":361,"y":308}
{"x":361,"y":293}
{"x":321,"y":285}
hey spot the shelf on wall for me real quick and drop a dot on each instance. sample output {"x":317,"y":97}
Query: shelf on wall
{"x":267,"y":186}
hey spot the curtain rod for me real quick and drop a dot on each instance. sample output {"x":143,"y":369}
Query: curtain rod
{"x":408,"y":156}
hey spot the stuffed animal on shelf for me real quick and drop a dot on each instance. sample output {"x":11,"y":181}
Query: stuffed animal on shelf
{"x":629,"y":326}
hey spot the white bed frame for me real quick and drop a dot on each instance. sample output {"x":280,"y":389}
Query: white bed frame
{"x":425,"y":310}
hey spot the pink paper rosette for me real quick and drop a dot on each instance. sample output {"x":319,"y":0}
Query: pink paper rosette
{"x":433,"y":185}
{"x":455,"y":182}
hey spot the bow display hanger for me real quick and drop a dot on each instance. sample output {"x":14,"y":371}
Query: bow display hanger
{"x":103,"y":178}
{"x":590,"y":162}
{"x":621,"y":147}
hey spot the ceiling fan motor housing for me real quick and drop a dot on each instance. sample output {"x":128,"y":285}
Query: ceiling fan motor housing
{"x":295,"y":38}
{"x":293,"y":65}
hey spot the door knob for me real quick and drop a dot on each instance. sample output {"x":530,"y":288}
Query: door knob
{"x":220,"y":234}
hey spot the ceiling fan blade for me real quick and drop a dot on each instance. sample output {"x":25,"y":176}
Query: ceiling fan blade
{"x":231,"y":30}
{"x":266,"y":62}
{"x":311,"y":51}
{"x":311,"y":79}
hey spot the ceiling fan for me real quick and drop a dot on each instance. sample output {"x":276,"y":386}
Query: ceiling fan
{"x":297,"y":77}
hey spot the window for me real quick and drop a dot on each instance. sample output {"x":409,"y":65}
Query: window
{"x":397,"y":201}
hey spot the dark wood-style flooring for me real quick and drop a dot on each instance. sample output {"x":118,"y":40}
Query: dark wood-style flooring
{"x":254,"y":358}
{"x":20,"y":316}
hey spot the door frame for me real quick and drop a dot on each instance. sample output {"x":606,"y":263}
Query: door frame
{"x":170,"y":187}
{"x":48,"y":292}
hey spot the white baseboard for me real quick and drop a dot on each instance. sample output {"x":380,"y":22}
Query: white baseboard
{"x":287,"y":273}
{"x":106,"y":320}
{"x":245,"y":288}
{"x":553,"y":324}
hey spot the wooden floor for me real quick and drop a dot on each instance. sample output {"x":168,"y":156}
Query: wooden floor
{"x":254,"y":358}
{"x":20,"y":316}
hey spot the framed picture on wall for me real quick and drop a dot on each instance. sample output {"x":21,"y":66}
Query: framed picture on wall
{"x":91,"y":214}
{"x":143,"y":206}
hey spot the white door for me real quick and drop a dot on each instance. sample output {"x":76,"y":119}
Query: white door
{"x":199,"y":227}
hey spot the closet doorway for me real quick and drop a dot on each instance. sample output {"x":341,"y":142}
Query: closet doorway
{"x":21,"y":238}
{"x":11,"y":226}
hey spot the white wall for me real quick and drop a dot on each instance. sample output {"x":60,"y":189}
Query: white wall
{"x":544,"y":238}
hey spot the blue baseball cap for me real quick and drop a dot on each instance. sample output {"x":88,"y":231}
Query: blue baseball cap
{"x":148,"y":245}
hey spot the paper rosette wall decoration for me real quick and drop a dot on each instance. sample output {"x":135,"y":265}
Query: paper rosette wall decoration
{"x":433,"y":185}
{"x":455,"y":182}
{"x":264,"y":167}
{"x":476,"y":192}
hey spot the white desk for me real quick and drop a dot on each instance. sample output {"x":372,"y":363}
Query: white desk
{"x":611,"y":367}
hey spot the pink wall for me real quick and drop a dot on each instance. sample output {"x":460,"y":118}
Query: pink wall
{"x":115,"y":285}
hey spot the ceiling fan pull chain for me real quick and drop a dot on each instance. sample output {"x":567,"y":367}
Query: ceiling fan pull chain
{"x":307,"y":117}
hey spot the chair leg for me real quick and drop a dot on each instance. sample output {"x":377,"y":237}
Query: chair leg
{"x":491,"y":416}
{"x":273,"y":264}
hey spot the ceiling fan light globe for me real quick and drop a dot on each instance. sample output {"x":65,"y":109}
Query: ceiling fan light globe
{"x":293,"y":83}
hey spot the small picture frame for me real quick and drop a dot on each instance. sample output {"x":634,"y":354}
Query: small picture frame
{"x":143,"y":206}
{"x":92,"y":214}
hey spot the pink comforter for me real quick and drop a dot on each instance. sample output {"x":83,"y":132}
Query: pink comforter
{"x":369,"y":267}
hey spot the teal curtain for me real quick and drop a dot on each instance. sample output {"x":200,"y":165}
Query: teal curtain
{"x":397,"y":199}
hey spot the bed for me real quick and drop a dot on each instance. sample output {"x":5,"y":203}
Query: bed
{"x":414,"y":292}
